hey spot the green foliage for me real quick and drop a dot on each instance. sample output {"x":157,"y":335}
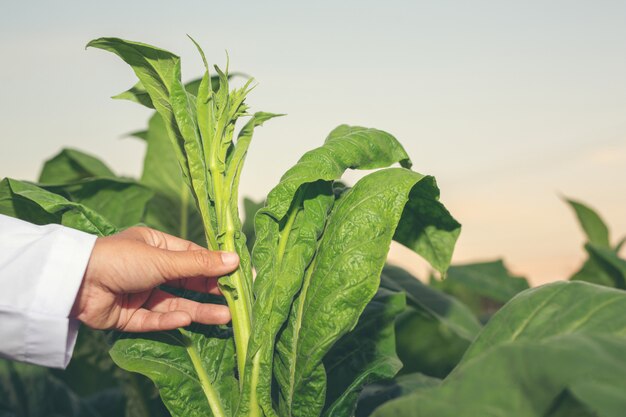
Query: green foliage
{"x":318,"y":262}
{"x":326,"y":328}
{"x":483,"y":286}
{"x":560,"y":340}
{"x":434,"y":330}
{"x":603,"y":265}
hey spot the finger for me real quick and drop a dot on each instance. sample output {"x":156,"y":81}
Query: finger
{"x":199,"y":284}
{"x":163,"y":302}
{"x":144,"y":320}
{"x":160,"y":240}
{"x":196,"y":263}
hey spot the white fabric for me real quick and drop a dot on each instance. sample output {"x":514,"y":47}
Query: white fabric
{"x":41,"y":269}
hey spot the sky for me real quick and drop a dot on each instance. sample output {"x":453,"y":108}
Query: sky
{"x":510,"y":105}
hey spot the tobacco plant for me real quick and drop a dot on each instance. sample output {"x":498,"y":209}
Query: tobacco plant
{"x":318,"y":254}
{"x":314,"y":333}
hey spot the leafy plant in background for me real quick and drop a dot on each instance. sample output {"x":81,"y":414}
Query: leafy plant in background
{"x":315,"y":332}
{"x":603,"y":265}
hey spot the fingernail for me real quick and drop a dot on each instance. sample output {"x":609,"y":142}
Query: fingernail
{"x":230,"y":258}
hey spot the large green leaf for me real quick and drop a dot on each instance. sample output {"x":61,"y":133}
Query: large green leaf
{"x":34,"y":204}
{"x":562,"y":337}
{"x":554,"y":309}
{"x":166,"y":358}
{"x":342,"y":279}
{"x":72,"y":165}
{"x":345,"y":147}
{"x":365,"y":355}
{"x":592,"y":224}
{"x":528,"y":379}
{"x":287,"y":240}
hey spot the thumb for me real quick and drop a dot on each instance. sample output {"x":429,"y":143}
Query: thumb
{"x":197,"y":263}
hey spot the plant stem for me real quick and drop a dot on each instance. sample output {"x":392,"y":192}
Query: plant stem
{"x":205,"y":382}
{"x":184,"y":212}
{"x":240,"y":304}
{"x":240,"y":300}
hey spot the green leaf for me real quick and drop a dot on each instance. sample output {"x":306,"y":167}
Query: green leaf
{"x":551,"y":310}
{"x":488,"y":279}
{"x":165,"y":358}
{"x":121,"y":202}
{"x":345,"y":147}
{"x":434,"y":331}
{"x":426,"y":345}
{"x":593,"y":272}
{"x":365,"y":355}
{"x":427,"y":227}
{"x":71,"y":165}
{"x":483,"y":286}
{"x":34,"y":204}
{"x":562,"y":336}
{"x":137,"y":94}
{"x":439,"y":305}
{"x":287,"y":240}
{"x":527,"y":379}
{"x":376,"y":394}
{"x":594,"y":227}
{"x":159,"y":73}
{"x":172,"y":210}
{"x":338,"y":285}
{"x":250,"y":208}
{"x":609,"y":262}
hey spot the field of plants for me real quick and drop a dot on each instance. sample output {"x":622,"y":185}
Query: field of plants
{"x":321,"y":325}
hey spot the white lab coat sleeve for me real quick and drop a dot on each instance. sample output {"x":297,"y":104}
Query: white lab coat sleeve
{"x":41,"y":269}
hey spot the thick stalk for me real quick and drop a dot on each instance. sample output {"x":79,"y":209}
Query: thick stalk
{"x":184,"y":212}
{"x":239,"y":301}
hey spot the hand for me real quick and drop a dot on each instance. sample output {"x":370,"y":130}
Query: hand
{"x":119,"y":289}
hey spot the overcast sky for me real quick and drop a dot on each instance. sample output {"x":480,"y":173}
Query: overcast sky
{"x":509,"y":104}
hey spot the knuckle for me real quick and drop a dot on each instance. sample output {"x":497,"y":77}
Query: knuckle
{"x":205,"y":259}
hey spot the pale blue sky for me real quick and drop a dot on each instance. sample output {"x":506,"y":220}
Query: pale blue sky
{"x":506,"y":103}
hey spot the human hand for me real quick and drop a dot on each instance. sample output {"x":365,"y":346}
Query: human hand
{"x":119,"y":288}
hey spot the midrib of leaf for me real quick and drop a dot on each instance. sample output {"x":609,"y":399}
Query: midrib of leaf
{"x":203,"y":377}
{"x":284,"y":235}
{"x":296,"y":333}
{"x":532,"y":315}
{"x":577,"y":324}
{"x":282,"y":247}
